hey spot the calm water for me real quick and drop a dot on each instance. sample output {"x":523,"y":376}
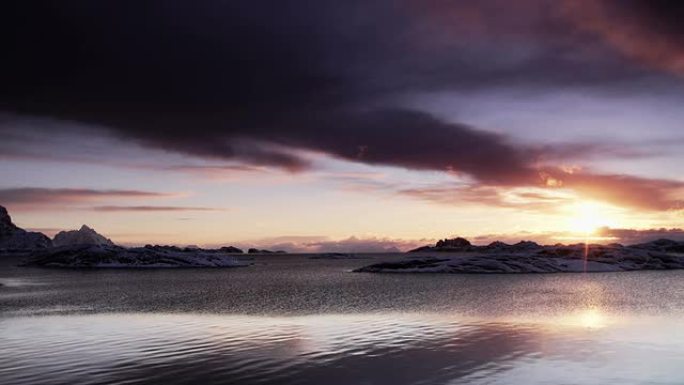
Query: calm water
{"x":293,"y":320}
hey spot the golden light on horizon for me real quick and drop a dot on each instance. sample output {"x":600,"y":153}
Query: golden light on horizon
{"x":587,"y":217}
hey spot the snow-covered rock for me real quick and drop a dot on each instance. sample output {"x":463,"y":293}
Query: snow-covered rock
{"x":542,"y":259}
{"x":112,"y":256}
{"x":13,"y":238}
{"x":83,"y":236}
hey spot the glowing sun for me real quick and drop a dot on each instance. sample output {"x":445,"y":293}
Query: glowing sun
{"x":587,"y":218}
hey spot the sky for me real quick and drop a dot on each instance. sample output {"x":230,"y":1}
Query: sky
{"x":344,"y":125}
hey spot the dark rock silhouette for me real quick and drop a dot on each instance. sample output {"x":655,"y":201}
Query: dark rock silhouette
{"x":666,"y":245}
{"x":454,"y":243}
{"x":264,"y":251}
{"x":231,"y":249}
{"x":463,"y":245}
{"x":14,"y":238}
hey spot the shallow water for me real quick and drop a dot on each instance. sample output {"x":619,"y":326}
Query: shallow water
{"x":293,"y":320}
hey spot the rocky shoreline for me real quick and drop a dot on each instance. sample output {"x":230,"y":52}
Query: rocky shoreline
{"x":107,"y":256}
{"x":528,"y":257}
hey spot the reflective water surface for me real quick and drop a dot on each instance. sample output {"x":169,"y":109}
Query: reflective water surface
{"x":293,"y":320}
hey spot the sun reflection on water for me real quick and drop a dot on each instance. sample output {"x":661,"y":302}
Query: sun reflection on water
{"x":591,"y":319}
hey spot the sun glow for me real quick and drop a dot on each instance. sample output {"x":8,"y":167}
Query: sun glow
{"x":587,"y":217}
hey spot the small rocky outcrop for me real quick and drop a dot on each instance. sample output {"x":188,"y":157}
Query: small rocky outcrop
{"x":13,"y":238}
{"x":231,"y":249}
{"x":258,"y":251}
{"x":454,"y":243}
{"x":264,"y":251}
{"x":83,"y":236}
{"x":463,"y":245}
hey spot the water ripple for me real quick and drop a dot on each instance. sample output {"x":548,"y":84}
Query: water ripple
{"x":331,"y":349}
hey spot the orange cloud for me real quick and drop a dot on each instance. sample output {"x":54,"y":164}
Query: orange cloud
{"x":622,"y":190}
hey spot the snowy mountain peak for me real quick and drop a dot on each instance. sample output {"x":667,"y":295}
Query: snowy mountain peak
{"x":84,"y":236}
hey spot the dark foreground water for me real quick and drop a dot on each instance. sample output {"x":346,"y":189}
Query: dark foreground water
{"x":294,"y":320}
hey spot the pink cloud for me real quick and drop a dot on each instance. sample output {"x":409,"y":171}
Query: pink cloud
{"x":151,"y":208}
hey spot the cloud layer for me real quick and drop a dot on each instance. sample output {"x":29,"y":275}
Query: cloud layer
{"x":52,"y":196}
{"x":258,"y":80}
{"x":150,"y":208}
{"x":38,"y":198}
{"x":263,"y":83}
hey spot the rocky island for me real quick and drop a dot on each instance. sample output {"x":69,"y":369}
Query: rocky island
{"x":85,"y":248}
{"x":459,"y":256}
{"x":112,"y":256}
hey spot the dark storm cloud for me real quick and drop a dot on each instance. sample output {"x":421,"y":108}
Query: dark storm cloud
{"x":414,"y":140}
{"x":257,"y":81}
{"x":232,"y":79}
